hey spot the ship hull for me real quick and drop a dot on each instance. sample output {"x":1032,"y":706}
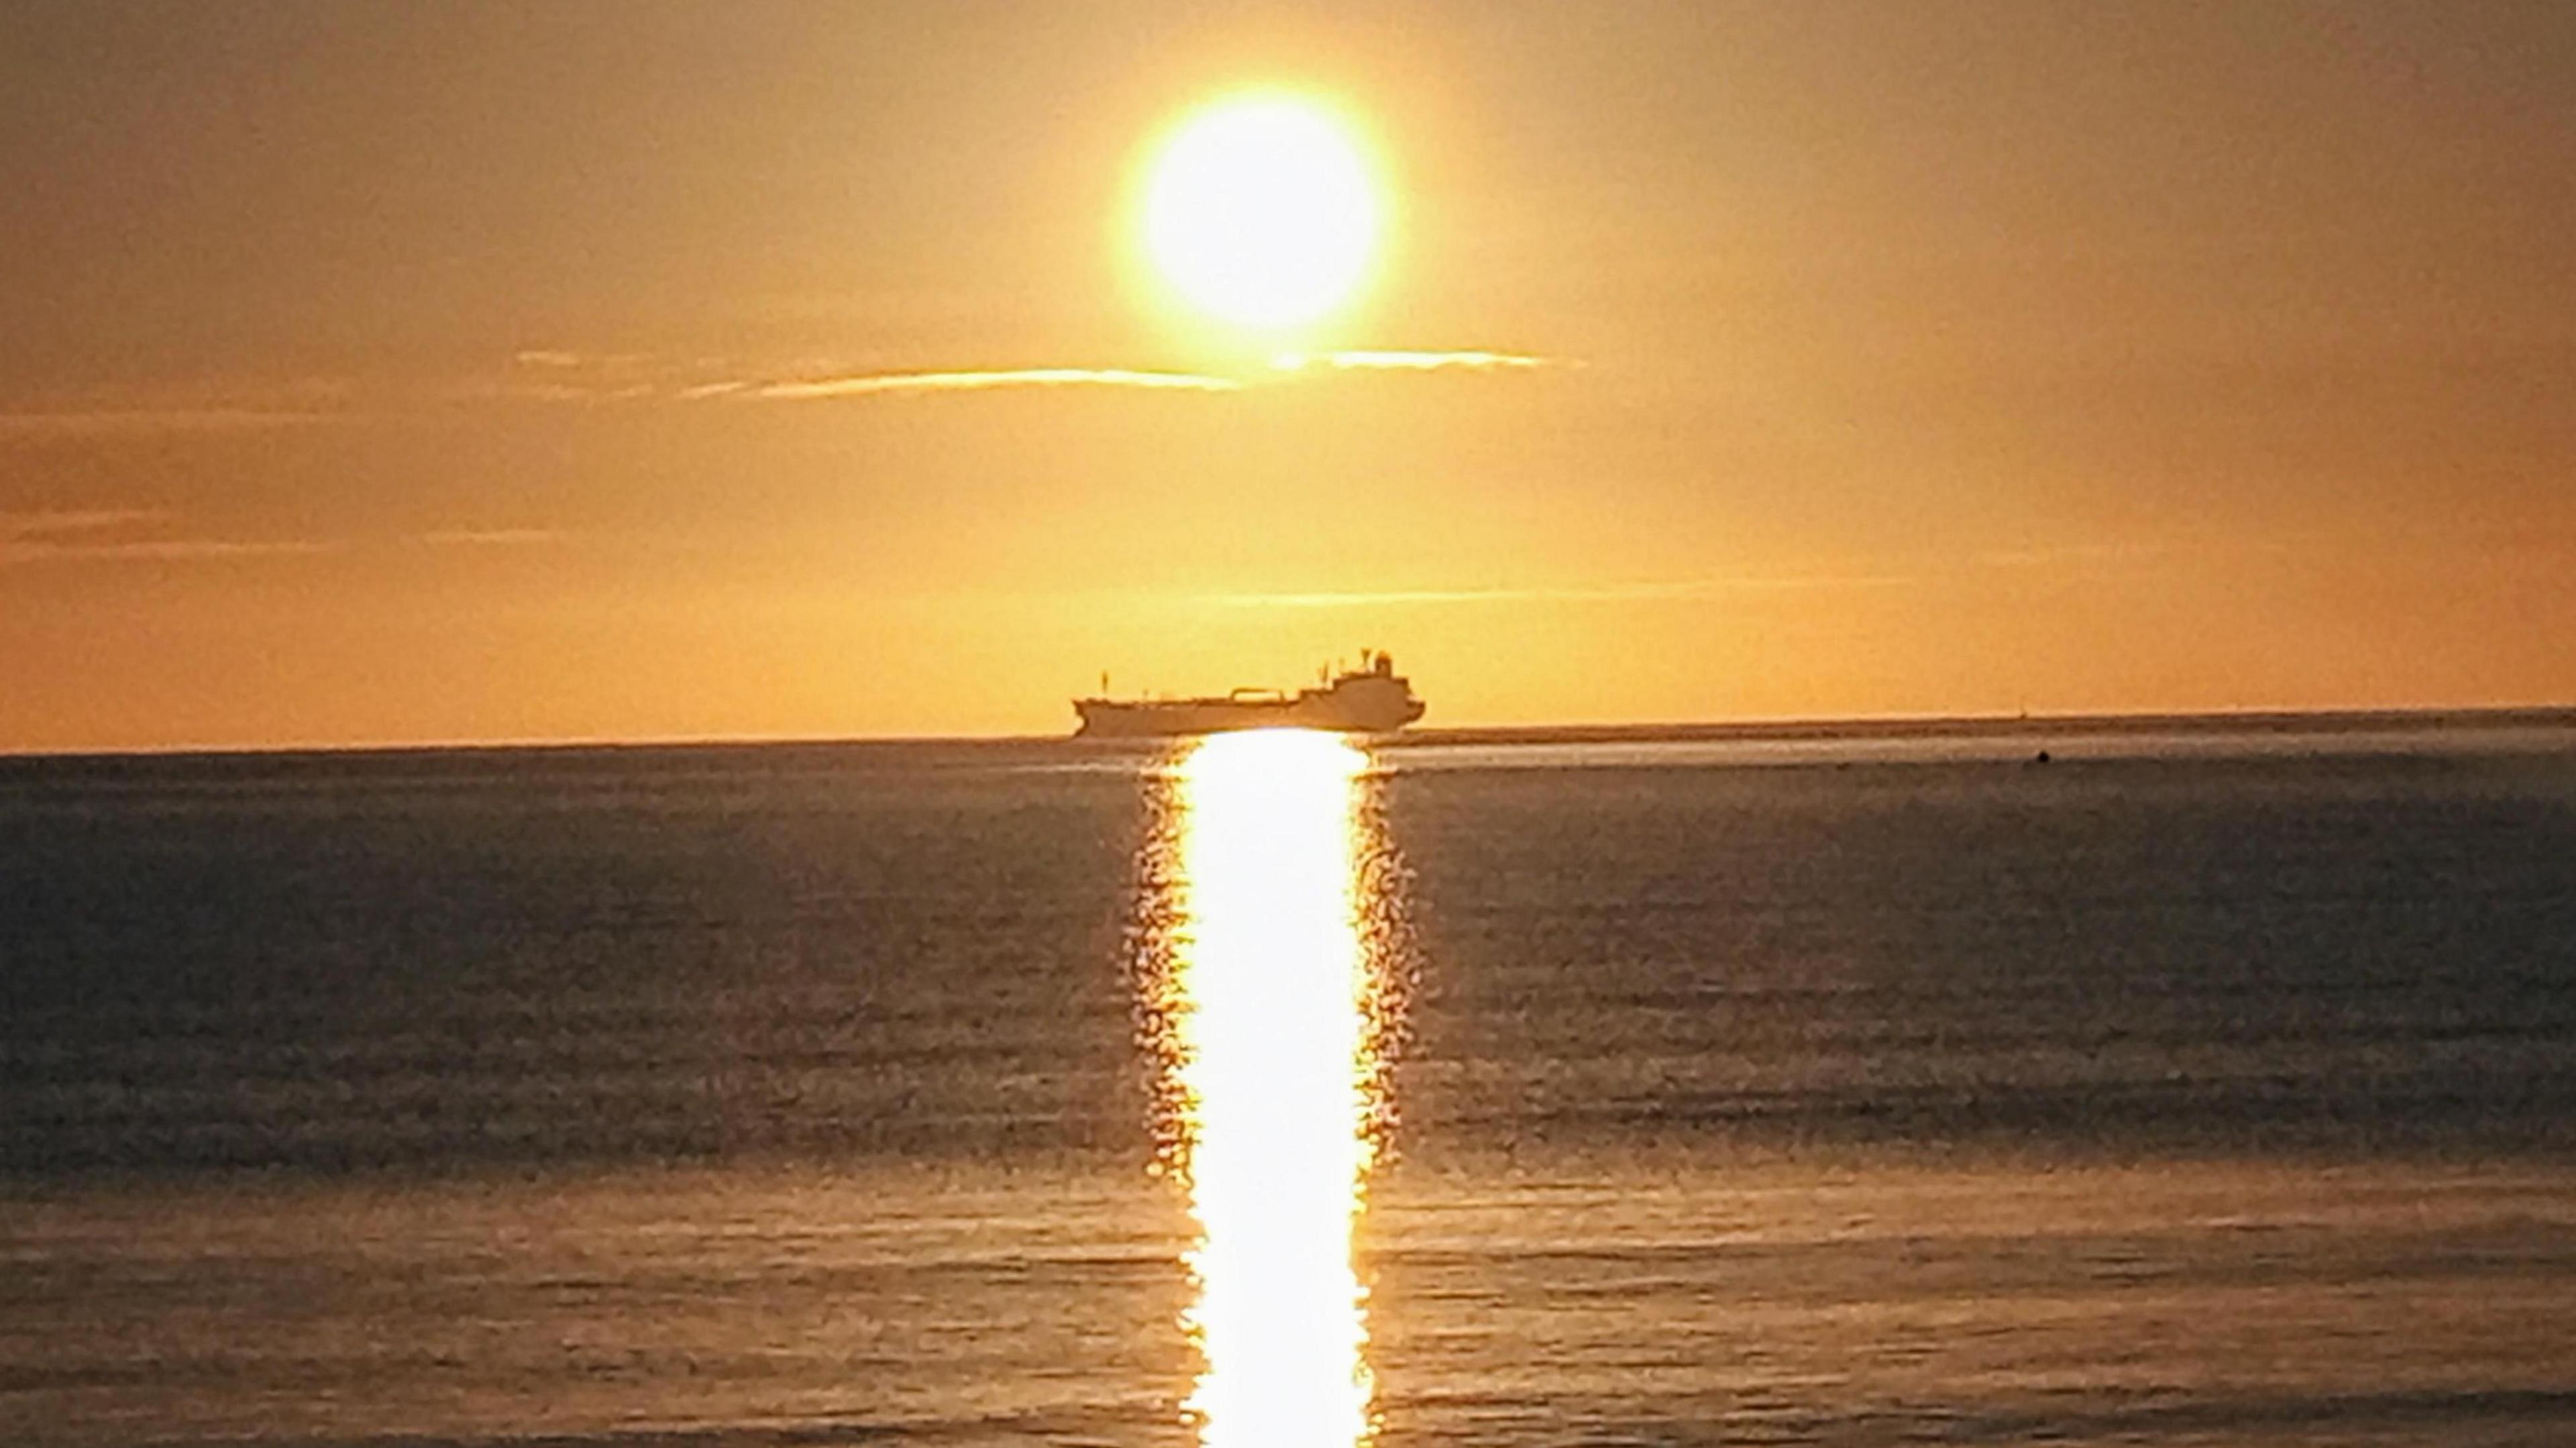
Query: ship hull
{"x":1375,"y":701}
{"x":1164,"y":719}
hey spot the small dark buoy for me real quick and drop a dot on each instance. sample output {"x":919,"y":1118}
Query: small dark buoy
{"x":2040,"y":758}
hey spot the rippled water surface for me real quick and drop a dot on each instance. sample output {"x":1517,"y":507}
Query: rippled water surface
{"x":2200,"y":1087}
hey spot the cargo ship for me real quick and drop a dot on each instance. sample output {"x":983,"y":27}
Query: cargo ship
{"x":1372,"y":699}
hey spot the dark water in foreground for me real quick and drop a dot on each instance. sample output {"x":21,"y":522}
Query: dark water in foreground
{"x":2200,"y":1087}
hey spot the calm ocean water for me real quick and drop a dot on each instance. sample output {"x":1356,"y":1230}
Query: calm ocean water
{"x":2204,"y":1085}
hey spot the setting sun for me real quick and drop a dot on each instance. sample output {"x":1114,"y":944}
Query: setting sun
{"x":1261,"y":211}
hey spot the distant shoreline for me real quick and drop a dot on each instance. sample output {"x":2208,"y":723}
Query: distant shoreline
{"x":2281,"y":721}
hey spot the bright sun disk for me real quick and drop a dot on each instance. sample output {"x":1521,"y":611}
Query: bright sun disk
{"x":1261,"y":211}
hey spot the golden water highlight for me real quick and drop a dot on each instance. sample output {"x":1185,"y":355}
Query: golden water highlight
{"x":1270,"y":1011}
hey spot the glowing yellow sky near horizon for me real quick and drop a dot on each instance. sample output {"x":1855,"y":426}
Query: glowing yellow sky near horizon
{"x":803,"y":371}
{"x":1270,"y":999}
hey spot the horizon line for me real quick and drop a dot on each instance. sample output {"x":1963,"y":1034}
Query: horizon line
{"x":1788,"y":725}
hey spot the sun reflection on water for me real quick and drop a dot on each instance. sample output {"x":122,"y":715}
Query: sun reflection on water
{"x":1270,"y":1010}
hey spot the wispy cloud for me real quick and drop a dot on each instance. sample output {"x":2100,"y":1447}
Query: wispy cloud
{"x":2111,"y":557}
{"x":563,"y":392}
{"x":564,"y":376}
{"x":95,"y":422}
{"x":2071,"y":553}
{"x":490,"y":537}
{"x":560,"y":374}
{"x":870,"y":383}
{"x":1574,"y":593}
{"x":1383,"y":361}
{"x":114,"y":534}
{"x":551,"y":374}
{"x":57,"y":522}
{"x":158,"y":549}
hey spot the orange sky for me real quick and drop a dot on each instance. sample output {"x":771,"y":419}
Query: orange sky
{"x":433,"y":372}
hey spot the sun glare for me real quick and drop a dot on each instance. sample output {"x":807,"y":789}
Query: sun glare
{"x":1270,"y":1004}
{"x":1261,"y":211}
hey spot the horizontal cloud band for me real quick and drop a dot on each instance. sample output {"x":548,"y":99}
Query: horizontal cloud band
{"x":540,"y":375}
{"x":868,"y":384}
{"x":1695,"y":588}
{"x":1469,"y":361}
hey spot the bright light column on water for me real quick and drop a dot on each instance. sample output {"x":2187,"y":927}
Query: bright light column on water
{"x":1271,"y":1004}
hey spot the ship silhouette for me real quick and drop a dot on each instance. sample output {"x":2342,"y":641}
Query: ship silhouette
{"x":1372,"y":699}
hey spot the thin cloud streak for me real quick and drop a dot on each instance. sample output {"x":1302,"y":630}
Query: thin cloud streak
{"x":491,"y":537}
{"x":54,"y":522}
{"x":1392,"y":361}
{"x":564,"y":359}
{"x":872,"y":383}
{"x":167,"y":550}
{"x":583,"y":377}
{"x":1609,"y":593}
{"x":564,"y":377}
{"x":76,"y":535}
{"x":2137,"y":554}
{"x":110,"y":422}
{"x":561,"y":392}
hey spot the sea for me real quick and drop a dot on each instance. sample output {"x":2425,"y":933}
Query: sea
{"x":2163,"y":1082}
